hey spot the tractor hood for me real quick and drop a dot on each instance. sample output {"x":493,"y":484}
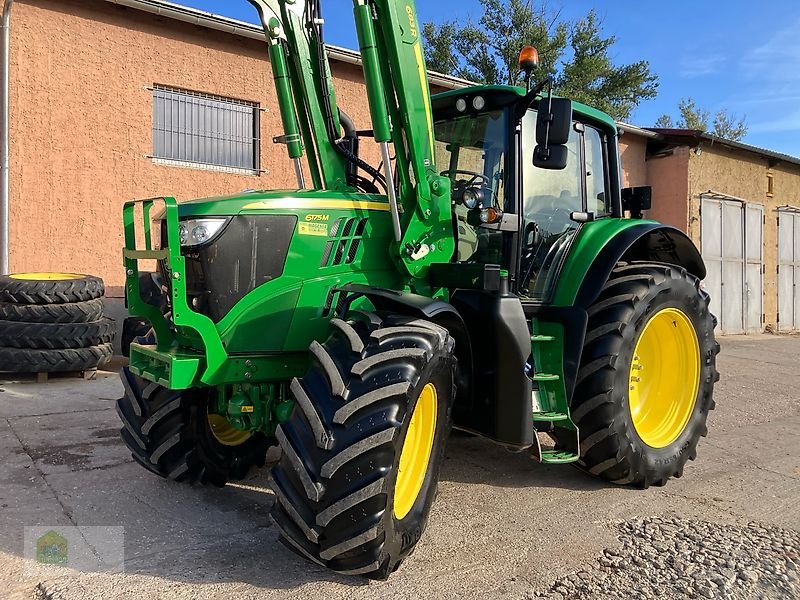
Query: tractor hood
{"x":283,"y":201}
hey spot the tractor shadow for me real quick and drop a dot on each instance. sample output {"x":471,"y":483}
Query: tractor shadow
{"x":232,"y":539}
{"x":474,"y":460}
{"x":249,"y":553}
{"x":74,"y":469}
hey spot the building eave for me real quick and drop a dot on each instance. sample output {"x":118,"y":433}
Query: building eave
{"x":632,"y":129}
{"x":178,"y":12}
{"x":694,"y":138}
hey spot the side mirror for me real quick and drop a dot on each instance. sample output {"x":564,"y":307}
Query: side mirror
{"x":636,"y":200}
{"x":553,"y":126}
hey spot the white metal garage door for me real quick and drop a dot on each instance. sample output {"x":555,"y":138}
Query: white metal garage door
{"x":732,"y":247}
{"x":788,"y":270}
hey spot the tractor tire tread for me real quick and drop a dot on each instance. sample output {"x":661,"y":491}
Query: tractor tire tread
{"x":167,"y":432}
{"x":24,"y":291}
{"x":607,"y":444}
{"x":56,"y":336}
{"x":75,"y":312}
{"x":65,"y":360}
{"x":330,"y":500}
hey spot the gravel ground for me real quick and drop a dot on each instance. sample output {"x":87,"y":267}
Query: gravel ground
{"x":680,"y":558}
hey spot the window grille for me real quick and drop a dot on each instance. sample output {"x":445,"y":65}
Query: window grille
{"x":205,"y":131}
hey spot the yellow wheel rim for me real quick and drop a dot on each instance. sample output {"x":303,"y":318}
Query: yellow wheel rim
{"x":47,"y":276}
{"x":664,"y":377}
{"x":416,"y":452}
{"x":225,"y":433}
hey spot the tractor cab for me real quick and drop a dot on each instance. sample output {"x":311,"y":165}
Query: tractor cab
{"x":511,"y":211}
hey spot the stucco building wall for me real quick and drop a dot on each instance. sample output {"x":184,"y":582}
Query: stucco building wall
{"x":743,"y":175}
{"x":668,"y":176}
{"x":81,"y":124}
{"x":633,"y":153}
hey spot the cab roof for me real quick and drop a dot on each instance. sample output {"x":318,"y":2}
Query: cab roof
{"x":582,"y":109}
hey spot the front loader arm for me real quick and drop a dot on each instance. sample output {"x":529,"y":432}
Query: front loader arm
{"x":400,"y":107}
{"x":301,"y":87}
{"x":397,"y":83}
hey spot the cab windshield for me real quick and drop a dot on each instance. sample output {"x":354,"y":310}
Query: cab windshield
{"x":471,"y":150}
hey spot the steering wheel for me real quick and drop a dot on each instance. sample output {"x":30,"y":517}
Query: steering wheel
{"x":487,"y":182}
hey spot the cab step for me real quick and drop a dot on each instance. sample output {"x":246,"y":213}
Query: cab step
{"x":545,"y":377}
{"x":547,"y":422}
{"x":558,"y":457}
{"x":543,"y":338}
{"x":550,"y":416}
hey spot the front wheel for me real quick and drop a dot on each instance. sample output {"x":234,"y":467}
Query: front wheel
{"x":363,"y":448}
{"x":646,"y":381}
{"x":173,"y":434}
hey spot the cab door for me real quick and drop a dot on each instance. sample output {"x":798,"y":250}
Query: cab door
{"x":549,"y":199}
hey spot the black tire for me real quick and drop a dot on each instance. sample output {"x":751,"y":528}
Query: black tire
{"x":611,"y":448}
{"x":335,"y":482}
{"x":168,"y":433}
{"x":16,"y":360}
{"x":54,"y":336}
{"x":135,"y":329}
{"x":45,"y":291}
{"x":76,"y":312}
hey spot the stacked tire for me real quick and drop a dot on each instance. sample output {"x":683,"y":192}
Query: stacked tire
{"x":53,"y":322}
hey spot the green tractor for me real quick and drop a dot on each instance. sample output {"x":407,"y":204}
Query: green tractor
{"x":490,"y":274}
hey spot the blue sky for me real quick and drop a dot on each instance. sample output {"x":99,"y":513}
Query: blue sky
{"x":743,"y":56}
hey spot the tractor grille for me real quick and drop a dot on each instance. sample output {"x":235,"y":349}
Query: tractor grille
{"x":345,"y":240}
{"x":250,"y":252}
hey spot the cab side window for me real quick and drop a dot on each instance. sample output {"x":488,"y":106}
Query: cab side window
{"x":597,"y":193}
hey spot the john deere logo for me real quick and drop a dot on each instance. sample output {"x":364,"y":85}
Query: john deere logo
{"x":51,"y":549}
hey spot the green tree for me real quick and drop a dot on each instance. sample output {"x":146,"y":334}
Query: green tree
{"x":575,"y":54}
{"x":590,"y":76}
{"x":725,"y":125}
{"x":729,"y":126}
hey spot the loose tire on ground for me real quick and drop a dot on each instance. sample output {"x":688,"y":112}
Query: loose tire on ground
{"x":49,"y":288}
{"x":76,"y":312}
{"x":635,"y":296}
{"x":341,"y":501}
{"x":54,"y":336}
{"x":169,"y":433}
{"x":16,"y":360}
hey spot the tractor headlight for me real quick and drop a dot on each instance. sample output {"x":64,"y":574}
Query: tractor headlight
{"x":196,"y":232}
{"x":472,"y":198}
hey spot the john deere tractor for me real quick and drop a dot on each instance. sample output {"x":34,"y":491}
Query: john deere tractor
{"x":490,"y":274}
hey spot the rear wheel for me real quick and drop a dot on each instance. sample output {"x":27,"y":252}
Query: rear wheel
{"x":363,"y":448}
{"x":172,"y":434}
{"x":647,"y":375}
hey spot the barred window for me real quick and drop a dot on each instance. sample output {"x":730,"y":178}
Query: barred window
{"x":205,"y":131}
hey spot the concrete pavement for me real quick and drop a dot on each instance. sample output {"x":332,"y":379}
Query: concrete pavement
{"x":502,"y":526}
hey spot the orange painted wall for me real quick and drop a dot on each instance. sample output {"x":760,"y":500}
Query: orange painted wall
{"x":669,"y":177}
{"x":633,"y":152}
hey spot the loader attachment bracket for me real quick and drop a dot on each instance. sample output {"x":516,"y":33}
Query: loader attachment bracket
{"x":163,"y":362}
